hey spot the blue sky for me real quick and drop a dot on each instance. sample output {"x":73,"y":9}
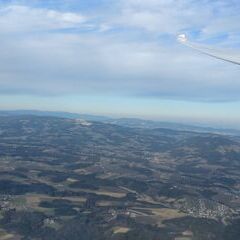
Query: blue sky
{"x":120,"y":58}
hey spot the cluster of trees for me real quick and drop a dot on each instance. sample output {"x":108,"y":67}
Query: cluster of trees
{"x":17,"y":188}
{"x":83,"y":227}
{"x":88,"y":226}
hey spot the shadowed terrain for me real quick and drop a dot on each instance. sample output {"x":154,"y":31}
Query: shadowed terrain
{"x":76,"y":179}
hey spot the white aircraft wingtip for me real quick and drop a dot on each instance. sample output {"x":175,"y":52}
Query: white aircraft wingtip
{"x":182,"y":38}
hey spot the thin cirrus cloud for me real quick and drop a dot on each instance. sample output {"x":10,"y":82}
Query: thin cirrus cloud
{"x":128,"y":49}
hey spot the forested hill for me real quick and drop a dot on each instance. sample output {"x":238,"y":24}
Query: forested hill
{"x":63,"y":178}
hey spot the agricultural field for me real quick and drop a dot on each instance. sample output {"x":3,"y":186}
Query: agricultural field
{"x":72,"y":179}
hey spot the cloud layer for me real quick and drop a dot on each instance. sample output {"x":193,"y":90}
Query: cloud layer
{"x":123,"y":48}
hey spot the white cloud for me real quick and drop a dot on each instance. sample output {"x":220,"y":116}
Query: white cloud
{"x":209,"y":18}
{"x":16,"y":18}
{"x":120,"y":55}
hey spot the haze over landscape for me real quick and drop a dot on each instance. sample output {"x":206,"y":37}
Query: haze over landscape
{"x":120,"y":58}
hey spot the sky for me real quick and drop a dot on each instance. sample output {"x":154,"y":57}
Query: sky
{"x":121,"y":58}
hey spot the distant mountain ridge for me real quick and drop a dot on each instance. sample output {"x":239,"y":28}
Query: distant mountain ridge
{"x":54,"y":114}
{"x":126,"y":122}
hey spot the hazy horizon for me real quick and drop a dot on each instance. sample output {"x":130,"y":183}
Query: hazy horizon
{"x":121,"y":58}
{"x":212,"y":123}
